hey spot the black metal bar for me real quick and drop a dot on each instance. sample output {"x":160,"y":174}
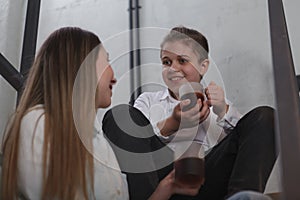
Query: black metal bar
{"x":10,"y":74}
{"x":287,"y":98}
{"x":138,"y":46}
{"x":135,"y":55}
{"x":29,"y":38}
{"x":298,"y":82}
{"x":131,"y":46}
{"x":30,"y":35}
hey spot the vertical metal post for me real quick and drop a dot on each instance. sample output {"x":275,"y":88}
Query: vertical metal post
{"x":135,"y":57}
{"x":287,"y":99}
{"x":131,"y":46}
{"x":30,"y":36}
{"x":138,"y":46}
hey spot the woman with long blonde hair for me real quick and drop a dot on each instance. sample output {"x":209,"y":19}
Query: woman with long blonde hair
{"x":50,"y":150}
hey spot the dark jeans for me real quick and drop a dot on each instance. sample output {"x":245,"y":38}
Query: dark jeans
{"x":243,"y":160}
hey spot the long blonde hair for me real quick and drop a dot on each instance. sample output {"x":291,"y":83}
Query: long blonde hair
{"x":67,"y":165}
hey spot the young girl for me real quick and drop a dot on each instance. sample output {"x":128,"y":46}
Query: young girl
{"x":184,"y":56}
{"x":49,"y":149}
{"x":244,"y":158}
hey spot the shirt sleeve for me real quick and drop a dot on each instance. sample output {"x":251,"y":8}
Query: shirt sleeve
{"x":165,"y":139}
{"x":230,"y":119}
{"x":143,"y":104}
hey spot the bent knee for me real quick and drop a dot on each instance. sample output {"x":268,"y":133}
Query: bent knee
{"x":264,"y":114}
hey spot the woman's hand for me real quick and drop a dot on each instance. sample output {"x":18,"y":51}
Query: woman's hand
{"x":167,"y":187}
{"x":216,"y":99}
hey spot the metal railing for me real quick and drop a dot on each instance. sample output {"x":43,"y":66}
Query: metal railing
{"x":7,"y":70}
{"x":287,"y":100}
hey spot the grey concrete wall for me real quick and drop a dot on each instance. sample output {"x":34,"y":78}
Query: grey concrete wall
{"x":12,"y":15}
{"x":238,"y":33}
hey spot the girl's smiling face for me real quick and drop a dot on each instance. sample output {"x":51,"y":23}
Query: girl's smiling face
{"x":180,"y":65}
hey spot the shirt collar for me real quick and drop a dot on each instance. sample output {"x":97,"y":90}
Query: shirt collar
{"x":166,"y":96}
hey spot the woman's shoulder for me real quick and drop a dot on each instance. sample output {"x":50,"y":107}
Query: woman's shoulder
{"x":36,"y":110}
{"x":156,"y":95}
{"x":31,"y":152}
{"x":33,"y":120}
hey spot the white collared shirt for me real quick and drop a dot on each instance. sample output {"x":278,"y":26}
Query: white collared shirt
{"x":109,"y":182}
{"x":157,"y":106}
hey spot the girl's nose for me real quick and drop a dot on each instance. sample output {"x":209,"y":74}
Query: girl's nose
{"x":175,"y":67}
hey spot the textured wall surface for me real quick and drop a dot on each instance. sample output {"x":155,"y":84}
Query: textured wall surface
{"x":12,"y":15}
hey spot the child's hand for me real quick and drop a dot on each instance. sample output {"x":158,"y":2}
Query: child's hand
{"x":187,"y":119}
{"x":216,"y":99}
{"x":191,"y":117}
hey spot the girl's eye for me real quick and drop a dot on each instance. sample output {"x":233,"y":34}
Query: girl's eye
{"x":182,"y":60}
{"x":166,"y":62}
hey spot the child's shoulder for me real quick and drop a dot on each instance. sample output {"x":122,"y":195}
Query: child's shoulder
{"x":154,"y":95}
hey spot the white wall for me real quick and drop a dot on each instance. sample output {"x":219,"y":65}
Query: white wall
{"x":239,"y":38}
{"x":292,"y":15}
{"x":238,"y":33}
{"x":12,"y":14}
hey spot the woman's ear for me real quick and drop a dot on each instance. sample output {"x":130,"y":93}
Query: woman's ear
{"x":204,"y":67}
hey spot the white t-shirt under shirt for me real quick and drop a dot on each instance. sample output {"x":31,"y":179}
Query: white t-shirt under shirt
{"x":109,"y":182}
{"x":157,"y":106}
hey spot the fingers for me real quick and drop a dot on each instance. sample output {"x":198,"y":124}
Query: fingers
{"x":193,"y":116}
{"x":212,"y":102}
{"x":212,"y":86}
{"x":215,"y":94}
{"x":185,"y":102}
{"x":171,"y":174}
{"x":198,"y":112}
{"x":212,"y":83}
{"x":178,"y":188}
{"x":194,"y":110}
{"x":204,"y":112}
{"x":181,"y":189}
{"x":187,"y":191}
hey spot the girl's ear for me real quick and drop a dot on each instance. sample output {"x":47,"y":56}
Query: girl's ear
{"x":204,"y":67}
